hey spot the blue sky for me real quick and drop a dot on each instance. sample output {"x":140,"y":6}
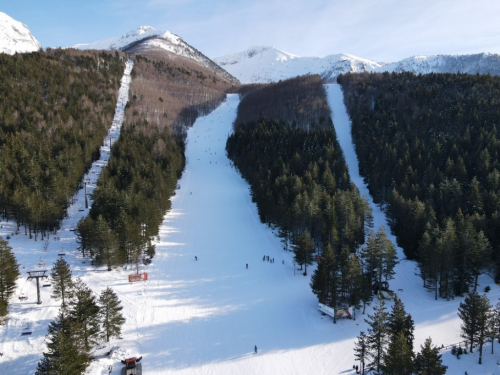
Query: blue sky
{"x":382,"y":30}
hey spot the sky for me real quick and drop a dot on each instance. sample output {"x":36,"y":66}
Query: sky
{"x":382,"y":30}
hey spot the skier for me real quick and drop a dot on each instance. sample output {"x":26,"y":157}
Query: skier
{"x":195,"y":257}
{"x":255,"y":349}
{"x":247,"y":265}
{"x":264,"y":258}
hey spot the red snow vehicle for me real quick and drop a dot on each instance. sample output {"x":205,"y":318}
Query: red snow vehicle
{"x":132,"y":366}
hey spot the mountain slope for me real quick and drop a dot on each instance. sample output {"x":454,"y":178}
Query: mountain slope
{"x":15,"y":36}
{"x":145,"y":40}
{"x":268,"y":64}
{"x":482,"y":63}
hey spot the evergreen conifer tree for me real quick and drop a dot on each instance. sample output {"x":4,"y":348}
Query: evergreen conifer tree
{"x":469,"y":312}
{"x":377,"y":335}
{"x":361,"y":350}
{"x":494,"y":328}
{"x":428,"y":360}
{"x":304,"y":250}
{"x":388,"y":253}
{"x":400,"y":321}
{"x":62,"y":283}
{"x":110,"y":314}
{"x":66,"y":353}
{"x":84,"y":311}
{"x":398,"y":360}
{"x":484,"y":323}
{"x":9,"y":271}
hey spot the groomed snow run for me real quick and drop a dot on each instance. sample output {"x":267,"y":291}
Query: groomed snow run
{"x":205,"y":316}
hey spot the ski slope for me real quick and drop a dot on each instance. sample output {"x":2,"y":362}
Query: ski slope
{"x":435,"y":319}
{"x":205,"y":316}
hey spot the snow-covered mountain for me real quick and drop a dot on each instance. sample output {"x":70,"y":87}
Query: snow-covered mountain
{"x":482,"y":63}
{"x":146,"y":39}
{"x":268,"y":64}
{"x":15,"y":36}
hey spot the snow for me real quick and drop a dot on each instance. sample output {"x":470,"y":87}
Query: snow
{"x":15,"y":36}
{"x":205,"y":316}
{"x":269,"y":64}
{"x":130,"y":37}
{"x":147,"y":38}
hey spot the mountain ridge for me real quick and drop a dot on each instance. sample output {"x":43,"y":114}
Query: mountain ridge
{"x":15,"y":37}
{"x":265,"y":64}
{"x":146,"y":39}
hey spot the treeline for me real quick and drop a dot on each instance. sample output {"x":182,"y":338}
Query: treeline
{"x":297,"y":171}
{"x":84,"y":321}
{"x":132,"y":195}
{"x":9,"y":272}
{"x":133,"y":191}
{"x":172,"y":91}
{"x":56,"y":108}
{"x":428,"y":147}
{"x":387,"y":346}
{"x":299,"y":102}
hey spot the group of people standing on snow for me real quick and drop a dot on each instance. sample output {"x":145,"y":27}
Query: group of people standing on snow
{"x":266,"y":257}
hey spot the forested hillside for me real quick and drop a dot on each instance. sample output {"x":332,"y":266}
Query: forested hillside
{"x":428,"y":147}
{"x":133,"y":192}
{"x":56,"y":107}
{"x":285,"y":146}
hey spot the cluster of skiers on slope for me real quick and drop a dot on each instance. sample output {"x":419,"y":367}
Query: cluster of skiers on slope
{"x":270,"y":260}
{"x":266,"y":257}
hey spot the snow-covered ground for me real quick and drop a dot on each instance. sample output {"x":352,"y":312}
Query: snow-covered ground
{"x":205,"y":316}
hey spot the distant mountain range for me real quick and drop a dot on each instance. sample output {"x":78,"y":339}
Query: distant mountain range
{"x":15,"y":36}
{"x":269,"y":64}
{"x":257,"y":64}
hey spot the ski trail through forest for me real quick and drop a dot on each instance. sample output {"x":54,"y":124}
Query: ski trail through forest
{"x":435,"y":319}
{"x":20,"y":354}
{"x":205,"y":316}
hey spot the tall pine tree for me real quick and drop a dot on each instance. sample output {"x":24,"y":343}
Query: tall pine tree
{"x":62,"y":283}
{"x":469,"y":312}
{"x":110,"y":314}
{"x":398,"y":360}
{"x":399,"y":321}
{"x":84,"y":311}
{"x":304,"y":250}
{"x":377,"y":335}
{"x":428,"y":360}
{"x":361,"y":350}
{"x":66,"y":352}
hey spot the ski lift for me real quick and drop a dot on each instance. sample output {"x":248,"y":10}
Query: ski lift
{"x":81,"y":208}
{"x":26,"y":330}
{"x":23,"y":297}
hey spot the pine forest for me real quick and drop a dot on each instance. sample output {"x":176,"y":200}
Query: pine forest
{"x":428,"y":148}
